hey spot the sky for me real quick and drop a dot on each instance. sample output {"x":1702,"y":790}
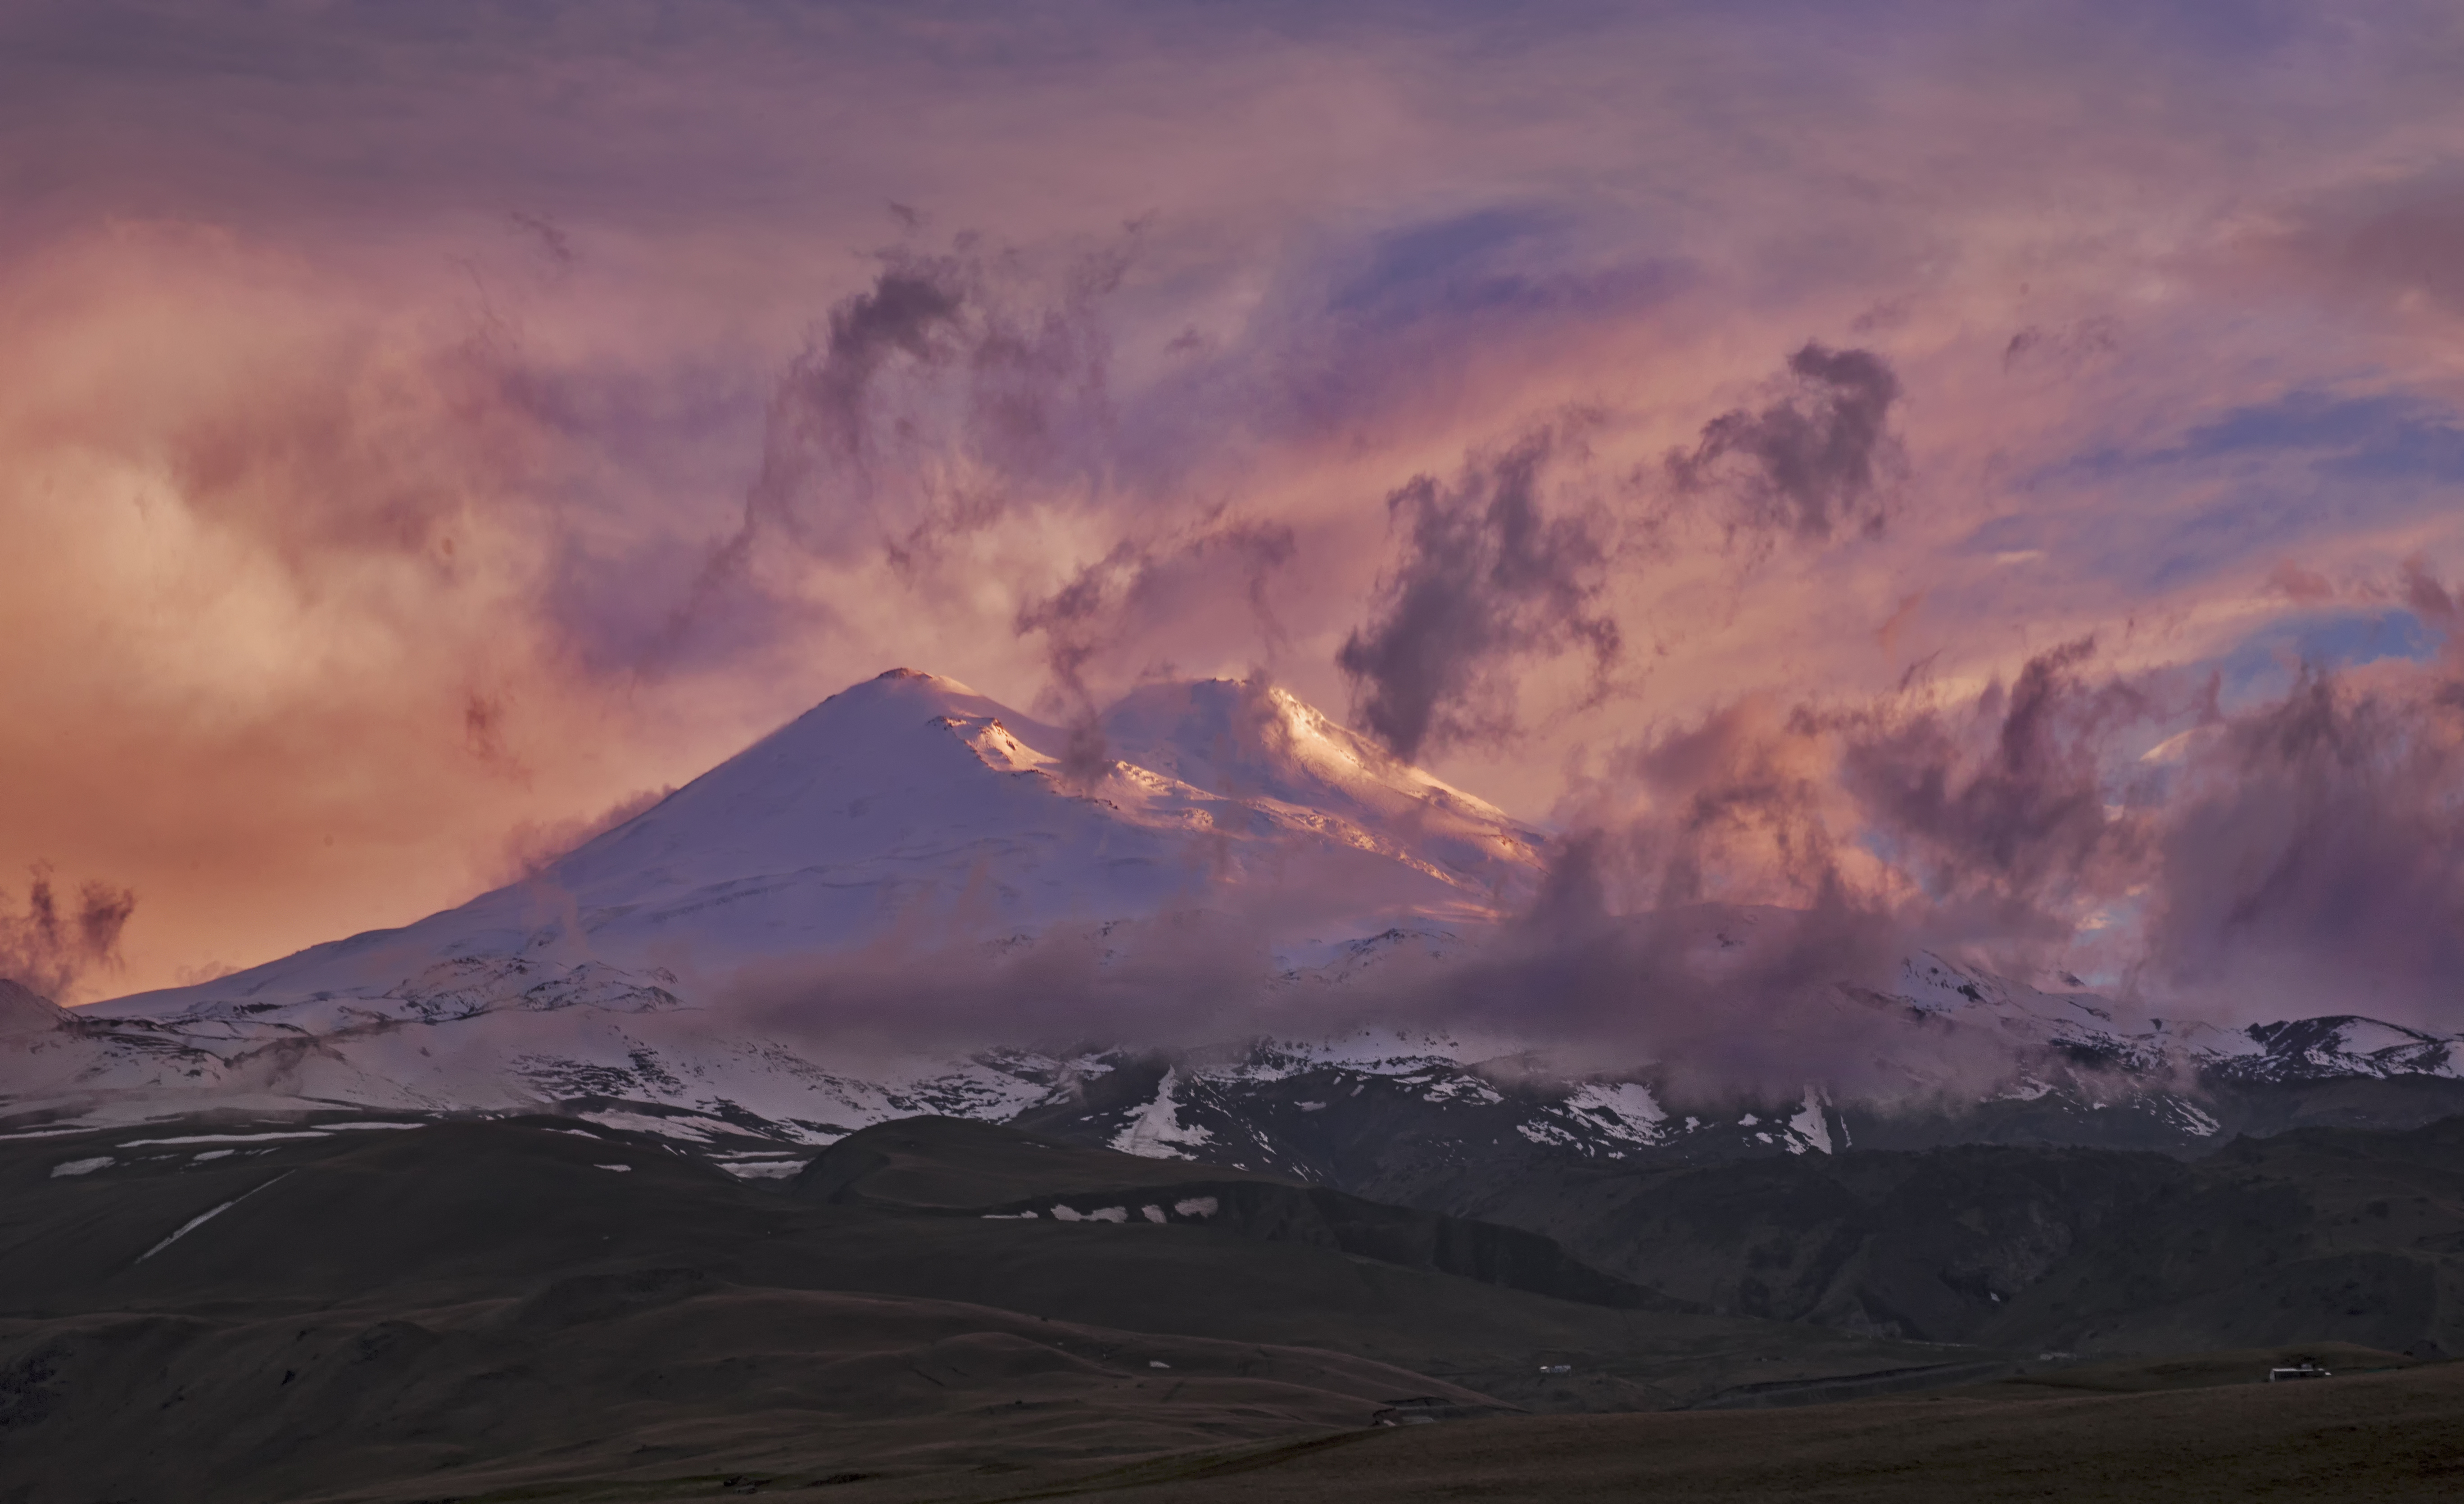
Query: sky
{"x":1993,"y":464}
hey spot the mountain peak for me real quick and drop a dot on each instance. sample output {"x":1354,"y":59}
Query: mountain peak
{"x":24,"y":1011}
{"x":909,"y":801}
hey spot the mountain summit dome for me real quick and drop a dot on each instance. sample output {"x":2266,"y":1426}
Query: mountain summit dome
{"x":909,"y":801}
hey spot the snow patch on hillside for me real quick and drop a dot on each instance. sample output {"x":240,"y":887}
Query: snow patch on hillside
{"x":1157,"y":1132}
{"x":1812,"y":1130}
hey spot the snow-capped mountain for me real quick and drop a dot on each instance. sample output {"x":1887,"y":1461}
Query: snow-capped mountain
{"x":909,"y":818}
{"x":912,"y":805}
{"x":906,"y":818}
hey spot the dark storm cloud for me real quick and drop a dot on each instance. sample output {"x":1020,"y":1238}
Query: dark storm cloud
{"x":930,"y":400}
{"x":48,"y":949}
{"x":1816,"y":461}
{"x":1723,"y":1005}
{"x":1133,"y":591}
{"x":2063,"y":349}
{"x":2007,"y":805}
{"x":1487,"y":580}
{"x":821,"y":458}
{"x":1734,"y":808}
{"x":1074,"y":622}
{"x":2301,"y":853}
{"x":2315,"y":861}
{"x":1727,"y":1001}
{"x":1740,"y":907}
{"x":1739,"y":900}
{"x":952,"y":392}
{"x":2004,"y":817}
{"x":1716,"y":931}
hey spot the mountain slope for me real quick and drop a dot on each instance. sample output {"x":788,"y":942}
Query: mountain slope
{"x":907,"y":902}
{"x":378,"y":1308}
{"x":383,"y":1308}
{"x":906,"y":825}
{"x":911,"y":806}
{"x":2316,"y":1234}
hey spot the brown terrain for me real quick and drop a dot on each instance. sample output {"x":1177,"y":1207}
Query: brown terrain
{"x":542,"y":1310}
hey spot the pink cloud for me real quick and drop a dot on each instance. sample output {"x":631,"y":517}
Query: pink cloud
{"x":428,"y":428}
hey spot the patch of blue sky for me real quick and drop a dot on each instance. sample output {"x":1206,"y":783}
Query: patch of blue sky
{"x":2382,"y":437}
{"x":2112,"y":918}
{"x":2387,"y":437}
{"x":2254,"y":482}
{"x":2018,"y":532}
{"x":1500,"y":259}
{"x":1888,"y":849}
{"x":1477,"y":259}
{"x":2257,"y":518}
{"x":1446,"y":248}
{"x":1350,"y":327}
{"x":2259,"y":668}
{"x":2263,"y":664}
{"x":2152,"y":547}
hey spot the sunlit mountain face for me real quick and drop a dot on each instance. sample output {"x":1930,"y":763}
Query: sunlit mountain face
{"x":1622,"y":542}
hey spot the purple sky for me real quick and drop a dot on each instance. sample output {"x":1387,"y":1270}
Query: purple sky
{"x":425,"y":428}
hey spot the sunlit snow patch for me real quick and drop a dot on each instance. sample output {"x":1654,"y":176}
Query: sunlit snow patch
{"x":1811,"y":1129}
{"x":684,"y":1128}
{"x":1156,"y":1133}
{"x":2195,"y":1121}
{"x":224,"y":1138}
{"x":1624,"y":1111}
{"x":762,"y":1168}
{"x":203,"y":1217}
{"x":189,"y":1226}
